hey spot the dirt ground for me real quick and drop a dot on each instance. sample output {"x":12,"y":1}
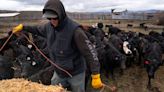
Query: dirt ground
{"x":134,"y":79}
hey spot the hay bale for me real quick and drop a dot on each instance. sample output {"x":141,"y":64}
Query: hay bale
{"x":22,"y":85}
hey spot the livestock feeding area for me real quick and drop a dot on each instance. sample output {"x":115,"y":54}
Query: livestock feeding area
{"x":133,"y":79}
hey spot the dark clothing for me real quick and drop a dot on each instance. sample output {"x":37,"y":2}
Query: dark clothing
{"x":67,"y":46}
{"x":67,"y":43}
{"x":58,"y":8}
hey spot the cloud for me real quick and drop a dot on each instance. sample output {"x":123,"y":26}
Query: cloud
{"x":32,"y":2}
{"x":9,"y":5}
{"x":107,"y":5}
{"x":85,"y":5}
{"x":22,"y":4}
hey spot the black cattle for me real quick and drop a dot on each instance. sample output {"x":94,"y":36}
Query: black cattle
{"x":155,"y":36}
{"x":120,"y":42}
{"x":113,"y":59}
{"x":130,"y":45}
{"x":142,"y":25}
{"x":44,"y":76}
{"x":117,"y":42}
{"x":162,"y":33}
{"x":6,"y":70}
{"x":99,"y":35}
{"x":39,"y":41}
{"x":134,"y":43}
{"x":113,"y":30}
{"x":146,"y":28}
{"x":11,"y":49}
{"x":9,"y":46}
{"x":129,"y":25}
{"x":152,"y":54}
{"x":34,"y":66}
{"x":30,"y":60}
{"x":108,"y":26}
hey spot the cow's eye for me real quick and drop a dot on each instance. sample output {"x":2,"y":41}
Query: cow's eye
{"x":116,"y":58}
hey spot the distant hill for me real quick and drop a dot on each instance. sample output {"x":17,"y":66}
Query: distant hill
{"x":7,"y":11}
{"x":150,"y":11}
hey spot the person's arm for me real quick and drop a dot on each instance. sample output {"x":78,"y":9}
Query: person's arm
{"x":38,"y":30}
{"x":88,"y":51}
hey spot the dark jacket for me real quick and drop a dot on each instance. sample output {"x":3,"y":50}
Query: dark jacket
{"x":67,"y":43}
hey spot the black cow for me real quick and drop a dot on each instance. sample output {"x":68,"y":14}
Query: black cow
{"x":152,"y":54}
{"x":113,"y":59}
{"x":113,"y":30}
{"x":134,"y":43}
{"x":11,"y":49}
{"x":129,"y":25}
{"x":142,"y":25}
{"x":108,"y":25}
{"x":30,"y":60}
{"x":158,"y":38}
{"x":8,"y":48}
{"x":162,"y":33}
{"x":44,"y":76}
{"x":116,"y":41}
{"x":6,"y":70}
{"x":34,"y":66}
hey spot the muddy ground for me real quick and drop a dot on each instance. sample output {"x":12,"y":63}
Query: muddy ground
{"x":134,"y":79}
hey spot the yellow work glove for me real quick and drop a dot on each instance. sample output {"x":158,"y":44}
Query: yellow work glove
{"x":96,"y":81}
{"x":18,"y":28}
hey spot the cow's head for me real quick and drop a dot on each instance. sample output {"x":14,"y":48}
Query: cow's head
{"x":28,"y":65}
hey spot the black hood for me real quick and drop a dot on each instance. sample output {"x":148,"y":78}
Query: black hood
{"x":56,"y":6}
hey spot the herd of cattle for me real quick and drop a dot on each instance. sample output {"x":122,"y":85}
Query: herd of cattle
{"x":115,"y":49}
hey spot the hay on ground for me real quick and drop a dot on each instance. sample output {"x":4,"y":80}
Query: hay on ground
{"x":22,"y":85}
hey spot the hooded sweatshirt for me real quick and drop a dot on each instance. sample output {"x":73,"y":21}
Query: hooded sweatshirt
{"x":68,"y":45}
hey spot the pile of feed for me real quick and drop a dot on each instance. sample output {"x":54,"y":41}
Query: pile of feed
{"x":22,"y":85}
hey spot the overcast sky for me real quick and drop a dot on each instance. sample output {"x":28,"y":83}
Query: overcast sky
{"x":85,"y":5}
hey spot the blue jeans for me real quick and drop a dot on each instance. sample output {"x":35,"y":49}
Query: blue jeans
{"x":77,"y":82}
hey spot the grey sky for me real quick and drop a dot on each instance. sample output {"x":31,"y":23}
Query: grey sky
{"x":85,"y":5}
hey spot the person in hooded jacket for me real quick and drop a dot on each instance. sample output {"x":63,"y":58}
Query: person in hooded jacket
{"x":68,"y":47}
